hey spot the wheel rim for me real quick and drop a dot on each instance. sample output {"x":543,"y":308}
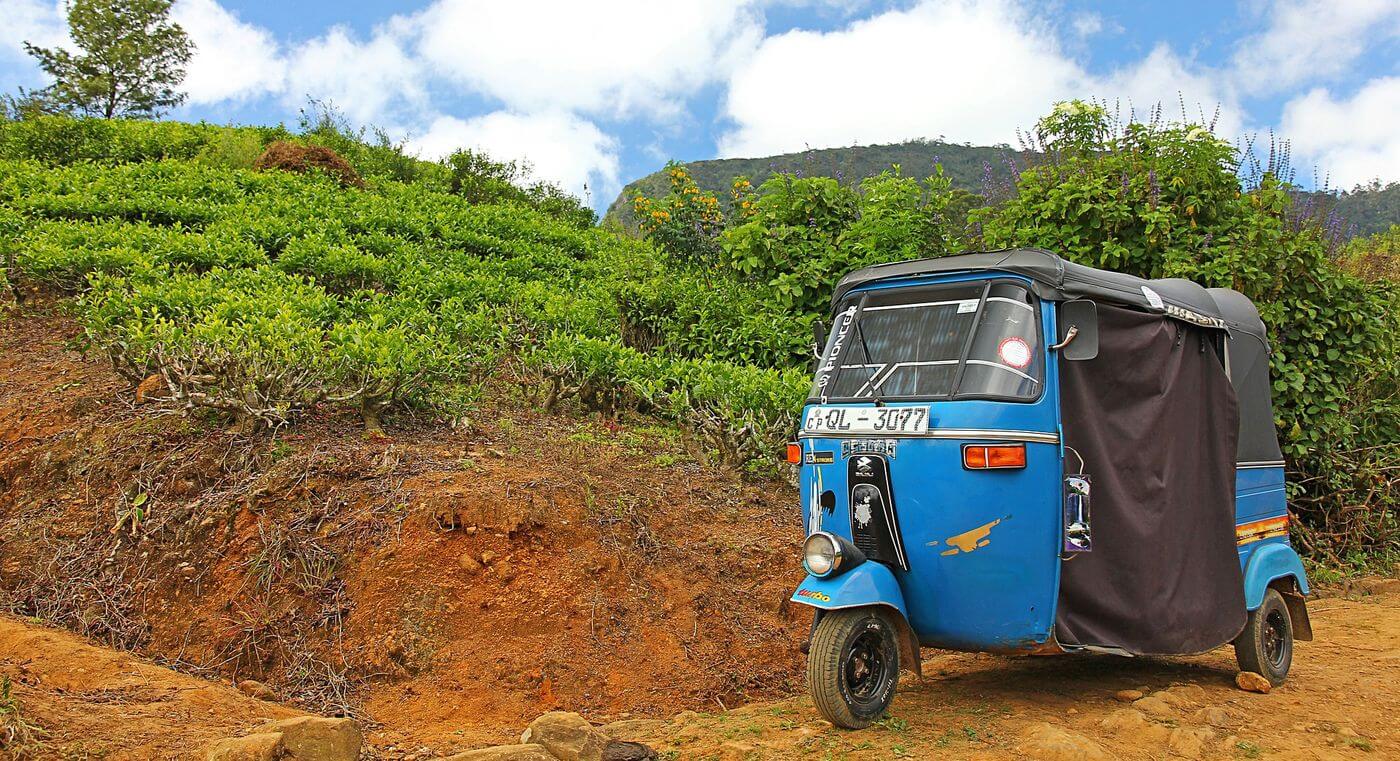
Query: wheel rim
{"x":1275,"y":640}
{"x":866,"y":663}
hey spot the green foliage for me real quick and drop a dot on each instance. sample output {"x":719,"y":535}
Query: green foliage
{"x":1374,"y":258}
{"x":1164,"y":201}
{"x":1366,"y":209}
{"x":803,"y":234}
{"x":232,"y":149}
{"x":479,"y":179}
{"x":131,"y":59}
{"x":685,"y":223}
{"x":61,"y":140}
{"x":263,"y":295}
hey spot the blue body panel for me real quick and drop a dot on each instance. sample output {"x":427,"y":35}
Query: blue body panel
{"x":997,"y":591}
{"x":1270,"y":560}
{"x":866,"y":584}
{"x":999,"y":594}
{"x":1259,"y":495}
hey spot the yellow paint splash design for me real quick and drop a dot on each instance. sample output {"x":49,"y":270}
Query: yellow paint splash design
{"x":968,"y":541}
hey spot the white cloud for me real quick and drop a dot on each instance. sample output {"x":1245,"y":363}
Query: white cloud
{"x":973,"y":70}
{"x":368,"y":81}
{"x":618,"y":57}
{"x":232,"y":60}
{"x":1165,"y":78}
{"x":560,"y":147}
{"x":1087,"y":25}
{"x":1311,"y":40}
{"x":1352,"y":140}
{"x":41,"y":22}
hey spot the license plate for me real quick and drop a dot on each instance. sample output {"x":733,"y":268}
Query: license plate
{"x":847,"y":420}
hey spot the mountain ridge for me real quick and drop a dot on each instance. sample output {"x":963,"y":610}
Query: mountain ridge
{"x":976,"y":169}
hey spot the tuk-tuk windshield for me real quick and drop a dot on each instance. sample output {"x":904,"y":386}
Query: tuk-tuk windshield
{"x":958,"y":340}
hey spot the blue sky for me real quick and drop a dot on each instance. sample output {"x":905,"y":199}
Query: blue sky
{"x":598,"y":93}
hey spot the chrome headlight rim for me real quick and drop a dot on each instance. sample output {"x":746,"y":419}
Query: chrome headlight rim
{"x":837,"y":556}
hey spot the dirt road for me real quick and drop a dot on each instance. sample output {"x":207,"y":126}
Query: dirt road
{"x":1341,"y":702}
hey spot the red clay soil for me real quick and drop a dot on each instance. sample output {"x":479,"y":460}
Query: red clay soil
{"x":442,"y":585}
{"x":82,"y":701}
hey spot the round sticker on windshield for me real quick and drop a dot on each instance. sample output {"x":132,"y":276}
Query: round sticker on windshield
{"x":1015,"y":352}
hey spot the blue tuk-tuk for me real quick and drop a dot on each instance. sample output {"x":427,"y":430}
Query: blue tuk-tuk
{"x":1009,"y":452}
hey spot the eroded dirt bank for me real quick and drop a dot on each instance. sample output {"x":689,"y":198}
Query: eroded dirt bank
{"x":445,"y":583}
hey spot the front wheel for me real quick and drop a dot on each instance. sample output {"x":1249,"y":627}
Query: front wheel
{"x":853,"y":666}
{"x":1266,"y":644}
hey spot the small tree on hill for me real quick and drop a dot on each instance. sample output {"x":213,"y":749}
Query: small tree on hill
{"x":131,"y":57}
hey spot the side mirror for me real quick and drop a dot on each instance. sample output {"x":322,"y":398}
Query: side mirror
{"x":818,"y":337}
{"x":1078,"y":330}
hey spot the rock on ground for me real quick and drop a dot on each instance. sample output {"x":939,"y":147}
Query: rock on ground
{"x":255,"y":689}
{"x":1189,"y":742}
{"x":623,"y":750}
{"x":1045,"y":742}
{"x":266,"y":746}
{"x":1125,"y":722}
{"x":1127,"y":696}
{"x":568,"y":736}
{"x":314,"y":738}
{"x":1252,"y":682}
{"x":1155,"y":707}
{"x":522,"y":752}
{"x":1215,"y":716}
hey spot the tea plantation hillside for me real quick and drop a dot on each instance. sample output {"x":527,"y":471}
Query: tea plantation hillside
{"x":262,"y":294}
{"x":980,"y":170}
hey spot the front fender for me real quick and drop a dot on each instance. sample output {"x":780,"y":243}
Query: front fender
{"x":1267,"y":564}
{"x":869,"y":583}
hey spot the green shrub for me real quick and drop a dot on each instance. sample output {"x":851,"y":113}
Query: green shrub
{"x":393,"y":352}
{"x":232,"y":149}
{"x":1165,"y":201}
{"x":249,"y":343}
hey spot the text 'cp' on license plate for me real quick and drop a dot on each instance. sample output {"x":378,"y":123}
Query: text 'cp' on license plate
{"x":842,"y":420}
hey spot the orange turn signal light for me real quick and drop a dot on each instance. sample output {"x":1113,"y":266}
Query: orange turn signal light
{"x":794,"y":453}
{"x":992,"y":456}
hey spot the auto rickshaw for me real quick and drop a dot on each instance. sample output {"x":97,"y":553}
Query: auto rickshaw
{"x":1010,"y":452}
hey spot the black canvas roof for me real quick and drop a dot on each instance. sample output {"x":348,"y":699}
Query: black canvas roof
{"x":1058,"y":279}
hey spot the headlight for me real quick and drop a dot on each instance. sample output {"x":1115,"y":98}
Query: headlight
{"x":821,"y":554}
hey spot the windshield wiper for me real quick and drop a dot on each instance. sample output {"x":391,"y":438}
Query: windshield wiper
{"x":872,"y":365}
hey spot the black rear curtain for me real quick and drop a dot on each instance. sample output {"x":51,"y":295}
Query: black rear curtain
{"x":1157,"y":423}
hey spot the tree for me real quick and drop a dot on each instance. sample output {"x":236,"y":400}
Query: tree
{"x":132,"y":58}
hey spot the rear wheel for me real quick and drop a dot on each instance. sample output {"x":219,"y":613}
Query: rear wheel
{"x":1266,"y":644}
{"x":853,"y":666}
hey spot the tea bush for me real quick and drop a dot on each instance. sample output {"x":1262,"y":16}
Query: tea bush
{"x":263,"y":295}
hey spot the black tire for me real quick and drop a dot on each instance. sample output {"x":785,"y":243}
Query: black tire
{"x":1266,"y":644}
{"x":853,"y":666}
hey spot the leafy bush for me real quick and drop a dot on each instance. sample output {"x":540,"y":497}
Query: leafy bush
{"x":1374,"y":258}
{"x":250,"y":343}
{"x":686,"y":223}
{"x":64,"y":140}
{"x":481,"y":180}
{"x":1165,"y":201}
